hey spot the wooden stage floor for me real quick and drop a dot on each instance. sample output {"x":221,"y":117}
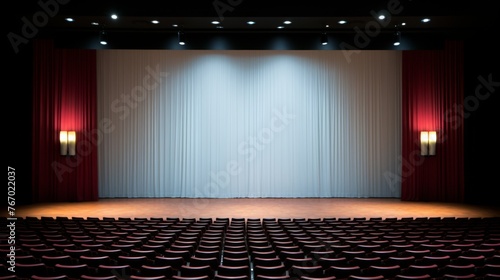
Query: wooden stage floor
{"x":256,"y":208}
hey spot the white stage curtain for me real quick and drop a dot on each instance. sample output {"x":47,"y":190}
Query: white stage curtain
{"x":227,"y":124}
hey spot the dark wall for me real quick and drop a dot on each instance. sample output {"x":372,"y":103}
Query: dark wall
{"x":481,"y":112}
{"x":17,"y":89}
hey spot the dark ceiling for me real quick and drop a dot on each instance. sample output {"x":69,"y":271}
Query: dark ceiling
{"x":133,"y":28}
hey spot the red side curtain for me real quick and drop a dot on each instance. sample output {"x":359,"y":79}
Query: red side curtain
{"x":64,"y":98}
{"x":433,"y":93}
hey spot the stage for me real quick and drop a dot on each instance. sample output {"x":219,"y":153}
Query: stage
{"x":256,"y":208}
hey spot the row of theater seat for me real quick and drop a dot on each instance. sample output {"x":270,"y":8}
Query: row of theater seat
{"x":253,"y":248}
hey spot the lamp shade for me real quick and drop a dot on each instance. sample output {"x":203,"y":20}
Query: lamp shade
{"x":71,"y":143}
{"x":63,"y":141}
{"x":432,"y":142}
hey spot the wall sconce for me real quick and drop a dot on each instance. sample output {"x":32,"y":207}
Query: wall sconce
{"x":428,"y":141}
{"x":67,"y":140}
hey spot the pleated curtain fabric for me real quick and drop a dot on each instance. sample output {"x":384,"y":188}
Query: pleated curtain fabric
{"x":243,"y":123}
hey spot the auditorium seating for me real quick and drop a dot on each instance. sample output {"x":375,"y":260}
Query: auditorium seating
{"x":251,"y":249}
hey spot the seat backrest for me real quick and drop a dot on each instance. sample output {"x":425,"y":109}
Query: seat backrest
{"x":431,"y":270}
{"x":72,"y":271}
{"x":278,"y":270}
{"x":225,"y":270}
{"x":343,"y":271}
{"x":149,"y":270}
{"x":312,"y":271}
{"x":26,"y":270}
{"x":196,"y":271}
{"x":456,"y":269}
{"x":179,"y":277}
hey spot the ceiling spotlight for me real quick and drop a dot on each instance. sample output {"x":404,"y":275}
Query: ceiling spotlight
{"x":70,"y":19}
{"x":381,"y":17}
{"x":103,"y":38}
{"x":280,"y":27}
{"x":95,"y":23}
{"x":114,"y":16}
{"x":215,"y":22}
{"x":426,"y":20}
{"x":251,"y":22}
{"x":324,"y":39}
{"x":342,"y":22}
{"x":287,"y":22}
{"x":397,"y":38}
{"x":155,"y":22}
{"x":182,"y":40}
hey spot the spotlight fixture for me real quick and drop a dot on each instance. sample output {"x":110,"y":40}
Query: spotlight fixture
{"x":103,"y":38}
{"x":182,"y":40}
{"x":324,"y":39}
{"x":397,"y":38}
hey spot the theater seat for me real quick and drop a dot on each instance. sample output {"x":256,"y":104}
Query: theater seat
{"x":52,"y":277}
{"x":360,"y":277}
{"x":148,"y":270}
{"x":418,"y":270}
{"x":272,"y":277}
{"x":72,"y":271}
{"x":318,"y":278}
{"x":461,"y":270}
{"x":388,"y":271}
{"x":413,"y":277}
{"x":235,"y":261}
{"x":179,"y":277}
{"x":140,"y":277}
{"x":109,"y":270}
{"x":196,"y":271}
{"x":226,"y":270}
{"x":26,"y":270}
{"x":312,"y":271}
{"x":458,"y":277}
{"x":278,"y":270}
{"x":226,"y":277}
{"x":343,"y":271}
